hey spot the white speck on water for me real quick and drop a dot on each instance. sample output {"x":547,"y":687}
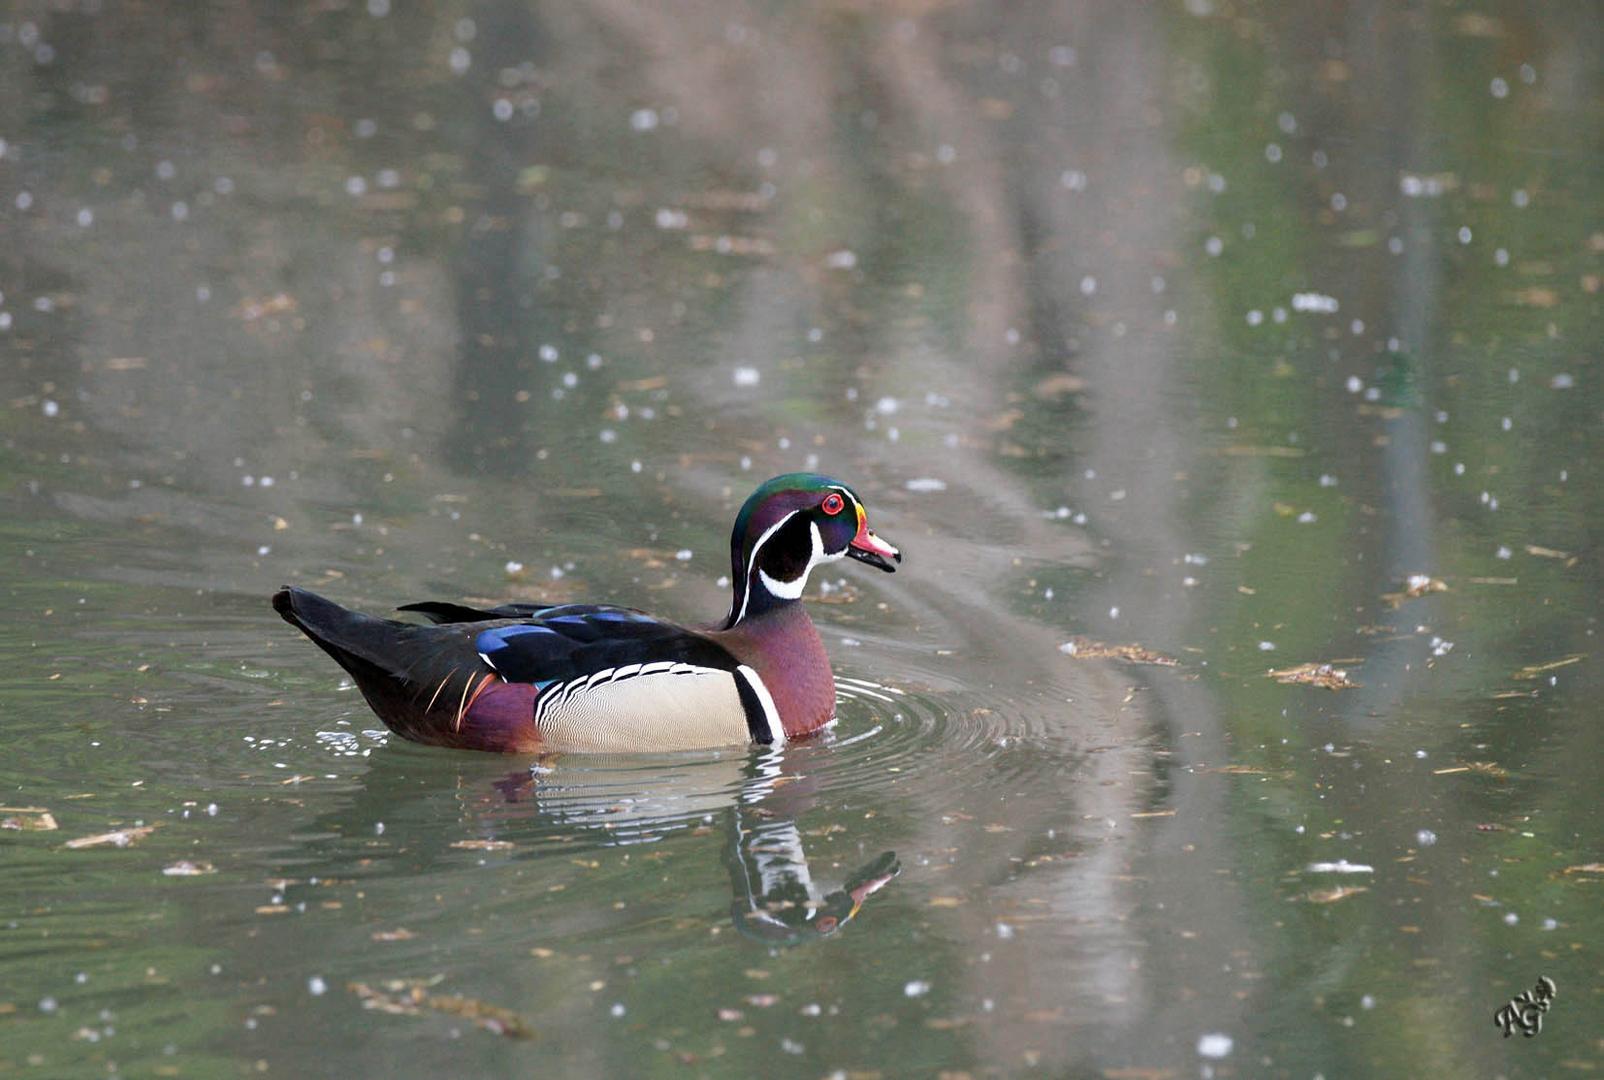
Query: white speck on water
{"x":1113,"y":613}
{"x":1501,"y":257}
{"x":1267,"y":646}
{"x":1459,"y":468}
{"x":747,"y":376}
{"x":1088,"y":285}
{"x":1357,"y":327}
{"x":355,"y":185}
{"x":1562,"y":381}
{"x":1510,"y":918}
{"x":501,"y":109}
{"x":643,"y":119}
{"x":1272,"y":153}
{"x":47,"y":1004}
{"x":1341,"y":866}
{"x":668,"y":218}
{"x":50,"y":408}
{"x":1520,"y":199}
{"x":1307,"y":518}
{"x":86,"y":217}
{"x":1214,"y":1045}
{"x":841,"y":259}
{"x":886,"y":406}
{"x":461,"y":60}
{"x":1504,"y":552}
{"x":946,"y":154}
{"x":1464,"y":234}
{"x":618,"y":1009}
{"x":514,"y":566}
{"x":23,"y":200}
{"x":316,"y":986}
{"x":926,"y":484}
{"x":1499,"y":88}
{"x":1315,"y":303}
{"x":549,"y":354}
{"x":180,"y":210}
{"x":1506,"y":423}
{"x":916,"y":988}
{"x":1425,"y":838}
{"x":1438,"y":446}
{"x":1255,"y":317}
{"x":1005,"y":931}
{"x":264,"y":550}
{"x":1213,"y":245}
{"x":1339,"y":202}
{"x":683,"y":554}
{"x":1073,"y":179}
{"x":378,"y":828}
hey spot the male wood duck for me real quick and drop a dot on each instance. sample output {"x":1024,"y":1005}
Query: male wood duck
{"x":526,"y":678}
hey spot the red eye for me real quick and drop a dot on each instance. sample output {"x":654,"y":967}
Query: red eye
{"x":832,"y":504}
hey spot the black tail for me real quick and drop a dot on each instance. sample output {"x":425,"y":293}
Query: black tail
{"x":414,"y":677}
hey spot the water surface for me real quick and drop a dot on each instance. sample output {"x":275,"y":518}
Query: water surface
{"x":1214,"y":329}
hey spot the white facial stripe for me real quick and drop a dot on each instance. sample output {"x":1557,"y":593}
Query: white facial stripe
{"x":771,"y":712}
{"x":751,"y":561}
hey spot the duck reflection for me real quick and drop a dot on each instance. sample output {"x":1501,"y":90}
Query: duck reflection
{"x":776,"y":897}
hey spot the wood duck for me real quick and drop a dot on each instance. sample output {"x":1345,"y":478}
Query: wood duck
{"x":529,"y":678}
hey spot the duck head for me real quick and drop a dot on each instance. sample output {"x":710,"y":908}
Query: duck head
{"x":790,"y":525}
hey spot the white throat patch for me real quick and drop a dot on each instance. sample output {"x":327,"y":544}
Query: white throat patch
{"x":792,"y":590}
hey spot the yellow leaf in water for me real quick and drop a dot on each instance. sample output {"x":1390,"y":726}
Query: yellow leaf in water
{"x":1332,"y":895}
{"x":483,"y":845}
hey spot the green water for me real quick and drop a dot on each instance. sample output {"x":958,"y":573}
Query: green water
{"x":1197,"y":326}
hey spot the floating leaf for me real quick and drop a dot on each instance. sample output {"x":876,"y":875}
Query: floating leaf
{"x":1081,"y":648}
{"x":483,"y":845}
{"x":186,"y":868}
{"x":1314,"y":674}
{"x":27,"y":818}
{"x":1332,"y":895}
{"x":117,"y":838}
{"x":1585,"y":868}
{"x":1531,"y":671}
{"x":1416,"y":585}
{"x":409,"y":998}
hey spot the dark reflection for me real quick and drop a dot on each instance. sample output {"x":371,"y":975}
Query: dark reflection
{"x":775,"y":895}
{"x":776,"y":898}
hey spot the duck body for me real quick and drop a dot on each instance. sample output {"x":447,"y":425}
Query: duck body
{"x":525,"y":678}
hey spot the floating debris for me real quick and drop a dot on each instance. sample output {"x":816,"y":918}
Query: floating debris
{"x":1416,"y":585}
{"x":1333,"y":894}
{"x":1531,"y":671}
{"x":1341,"y":866}
{"x":483,"y":845}
{"x":400,"y":933}
{"x":1082,"y":648}
{"x":1549,"y":553}
{"x":410,"y":997}
{"x":118,"y":838}
{"x":186,"y":868}
{"x":1585,"y":868}
{"x":1314,"y":674}
{"x":27,"y":819}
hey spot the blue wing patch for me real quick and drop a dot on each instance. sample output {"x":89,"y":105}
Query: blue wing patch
{"x":498,"y":639}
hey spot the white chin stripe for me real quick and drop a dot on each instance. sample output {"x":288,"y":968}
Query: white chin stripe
{"x":771,"y":711}
{"x":792,"y":590}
